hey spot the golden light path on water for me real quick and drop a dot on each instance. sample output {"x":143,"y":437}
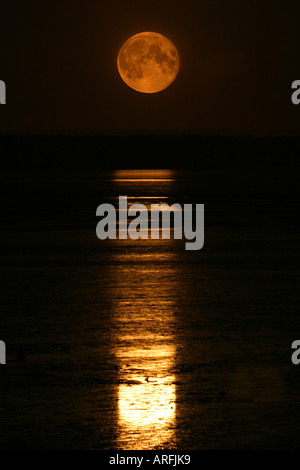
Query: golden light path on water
{"x":147,"y":409}
{"x":145,"y":353}
{"x":145,"y":348}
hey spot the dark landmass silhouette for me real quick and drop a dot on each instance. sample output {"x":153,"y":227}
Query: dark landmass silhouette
{"x":62,"y":172}
{"x":88,"y":152}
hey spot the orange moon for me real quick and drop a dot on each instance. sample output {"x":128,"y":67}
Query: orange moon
{"x":148,"y":62}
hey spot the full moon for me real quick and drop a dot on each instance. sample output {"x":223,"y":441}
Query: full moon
{"x":148,"y":62}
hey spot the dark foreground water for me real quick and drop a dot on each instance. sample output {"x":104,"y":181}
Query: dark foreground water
{"x":141,"y":344}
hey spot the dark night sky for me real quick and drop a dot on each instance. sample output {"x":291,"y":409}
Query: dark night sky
{"x":238,"y":60}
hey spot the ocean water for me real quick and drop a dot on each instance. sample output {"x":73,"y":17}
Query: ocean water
{"x":140,"y":344}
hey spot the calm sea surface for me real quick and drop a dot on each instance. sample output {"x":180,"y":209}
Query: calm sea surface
{"x":124,"y":344}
